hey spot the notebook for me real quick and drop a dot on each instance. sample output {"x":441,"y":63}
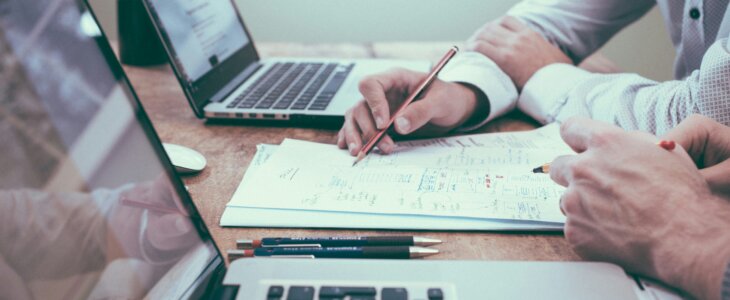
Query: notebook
{"x":445,"y":184}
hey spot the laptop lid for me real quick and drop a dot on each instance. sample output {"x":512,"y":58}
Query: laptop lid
{"x":207,"y":44}
{"x":90,"y":206}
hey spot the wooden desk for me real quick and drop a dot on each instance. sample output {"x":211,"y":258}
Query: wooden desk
{"x":229,"y":149}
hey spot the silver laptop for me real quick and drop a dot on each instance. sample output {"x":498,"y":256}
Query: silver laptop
{"x":223,"y":77}
{"x":91,"y":207}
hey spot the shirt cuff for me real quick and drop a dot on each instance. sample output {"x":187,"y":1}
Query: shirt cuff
{"x":481,"y":72}
{"x":547,"y":91}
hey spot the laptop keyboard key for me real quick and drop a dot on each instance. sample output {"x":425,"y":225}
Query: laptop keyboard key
{"x":394,"y":294}
{"x":275,"y":292}
{"x":335,"y":291}
{"x":435,"y":294}
{"x":300,"y":293}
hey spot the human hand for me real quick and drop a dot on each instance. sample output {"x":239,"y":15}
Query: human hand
{"x":515,"y":48}
{"x":444,"y":107}
{"x":631,"y":202}
{"x":168,"y":226}
{"x":708,"y":143}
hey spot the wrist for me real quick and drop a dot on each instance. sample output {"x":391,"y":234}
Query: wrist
{"x":697,"y":263}
{"x":477,"y":106}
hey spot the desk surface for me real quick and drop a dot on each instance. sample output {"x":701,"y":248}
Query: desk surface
{"x":229,"y":150}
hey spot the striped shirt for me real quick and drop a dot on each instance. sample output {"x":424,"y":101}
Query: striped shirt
{"x":699,"y":31}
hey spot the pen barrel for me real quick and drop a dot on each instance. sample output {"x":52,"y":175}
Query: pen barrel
{"x":392,"y":252}
{"x":336,"y":252}
{"x":390,"y":241}
{"x":340,"y":241}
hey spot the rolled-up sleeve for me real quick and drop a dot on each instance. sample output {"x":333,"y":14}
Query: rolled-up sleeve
{"x":481,"y":72}
{"x":560,"y":91}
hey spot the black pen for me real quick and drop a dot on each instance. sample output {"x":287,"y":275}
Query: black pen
{"x":337,"y":241}
{"x":392,"y":252}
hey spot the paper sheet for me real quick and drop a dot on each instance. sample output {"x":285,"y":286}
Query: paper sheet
{"x":477,"y":176}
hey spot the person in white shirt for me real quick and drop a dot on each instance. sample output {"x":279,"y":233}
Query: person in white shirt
{"x":527,"y":60}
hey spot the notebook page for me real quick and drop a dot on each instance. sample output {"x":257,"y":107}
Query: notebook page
{"x":478,"y":176}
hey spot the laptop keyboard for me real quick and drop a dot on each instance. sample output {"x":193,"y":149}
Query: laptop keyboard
{"x":296,"y":86}
{"x":277,"y":292}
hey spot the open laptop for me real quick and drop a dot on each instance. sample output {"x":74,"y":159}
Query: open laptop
{"x":91,"y":207}
{"x":223,"y":77}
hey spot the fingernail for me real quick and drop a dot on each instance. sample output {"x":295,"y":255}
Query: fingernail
{"x":379,"y":122}
{"x":351,"y":146}
{"x":403,"y":125}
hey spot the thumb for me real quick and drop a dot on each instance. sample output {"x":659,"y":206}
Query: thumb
{"x":414,"y":116}
{"x":717,"y":177}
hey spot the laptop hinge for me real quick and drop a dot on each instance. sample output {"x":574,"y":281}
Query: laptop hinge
{"x":235,"y":82}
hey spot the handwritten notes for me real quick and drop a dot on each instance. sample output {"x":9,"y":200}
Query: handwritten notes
{"x":478,"y":176}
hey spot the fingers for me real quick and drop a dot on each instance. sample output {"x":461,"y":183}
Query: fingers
{"x":495,"y":34}
{"x":560,"y":169}
{"x":581,"y":133}
{"x":485,"y":48}
{"x":358,"y":128}
{"x":513,"y":24}
{"x":375,"y":88}
{"x":706,"y":141}
{"x":717,"y":178}
{"x":352,"y":135}
{"x":690,"y":134}
{"x":414,"y":116}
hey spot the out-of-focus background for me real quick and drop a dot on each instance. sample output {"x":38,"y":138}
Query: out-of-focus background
{"x":642,"y":48}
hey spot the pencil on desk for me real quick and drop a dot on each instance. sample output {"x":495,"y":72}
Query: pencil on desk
{"x":420,"y":91}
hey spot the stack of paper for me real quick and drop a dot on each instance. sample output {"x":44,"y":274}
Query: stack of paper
{"x":473,"y":182}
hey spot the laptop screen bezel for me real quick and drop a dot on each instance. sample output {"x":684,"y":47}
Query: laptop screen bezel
{"x":144,"y":122}
{"x":201,"y":91}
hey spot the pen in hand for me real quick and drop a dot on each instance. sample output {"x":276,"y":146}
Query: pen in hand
{"x":417,"y":94}
{"x":666,"y":145}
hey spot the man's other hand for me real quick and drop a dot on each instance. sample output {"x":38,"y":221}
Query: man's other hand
{"x":708,"y":143}
{"x":515,"y":48}
{"x":631,"y":202}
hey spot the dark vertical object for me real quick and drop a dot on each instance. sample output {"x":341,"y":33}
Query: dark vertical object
{"x":139,"y":44}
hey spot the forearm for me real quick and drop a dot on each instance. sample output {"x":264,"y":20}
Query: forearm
{"x":558,"y":92}
{"x":579,"y":27}
{"x":710,"y":276}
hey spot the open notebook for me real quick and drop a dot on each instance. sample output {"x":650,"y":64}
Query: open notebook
{"x":472,"y":182}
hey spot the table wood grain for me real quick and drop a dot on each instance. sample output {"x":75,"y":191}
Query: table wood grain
{"x":230,"y":148}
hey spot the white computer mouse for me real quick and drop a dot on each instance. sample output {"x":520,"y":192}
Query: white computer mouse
{"x":185,"y":160}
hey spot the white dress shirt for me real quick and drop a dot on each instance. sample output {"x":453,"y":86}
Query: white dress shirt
{"x":699,"y":31}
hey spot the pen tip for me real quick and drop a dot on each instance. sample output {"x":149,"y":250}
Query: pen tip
{"x":360,"y":156}
{"x":537,"y":170}
{"x":417,"y":252}
{"x":422,"y":241}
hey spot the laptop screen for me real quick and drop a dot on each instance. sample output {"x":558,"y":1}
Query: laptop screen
{"x":89,"y":204}
{"x":206,"y":42}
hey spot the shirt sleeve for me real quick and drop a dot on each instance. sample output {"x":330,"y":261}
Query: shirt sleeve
{"x":560,"y":91}
{"x":484,"y":74}
{"x":579,"y":27}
